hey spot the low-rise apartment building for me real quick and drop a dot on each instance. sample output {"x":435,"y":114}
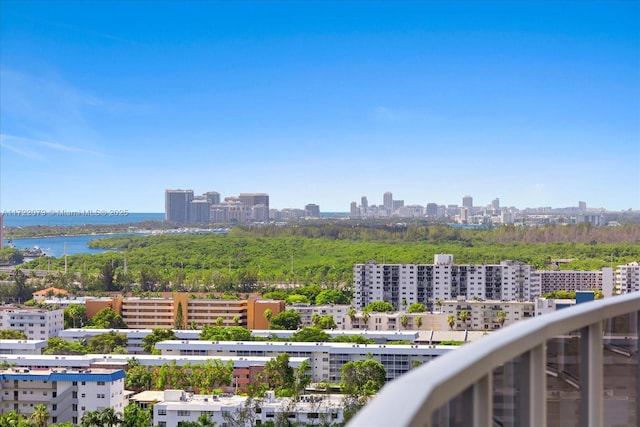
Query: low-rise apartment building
{"x":485,"y":315}
{"x":326,"y":358}
{"x":177,"y":406}
{"x":339,"y":312}
{"x":66,"y":394}
{"x":22,"y":346}
{"x":36,"y":323}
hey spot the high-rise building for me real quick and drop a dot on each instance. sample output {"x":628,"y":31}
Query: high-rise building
{"x":432,"y":209}
{"x":312,"y":210}
{"x":176,"y":205}
{"x":1,"y":230}
{"x":387,"y":200}
{"x":495,"y":204}
{"x":354,"y":209}
{"x":253,"y":199}
{"x":582,"y":206}
{"x":199,"y":211}
{"x":364,"y":202}
{"x":467,"y":201}
{"x":442,"y":280}
{"x":213,"y":197}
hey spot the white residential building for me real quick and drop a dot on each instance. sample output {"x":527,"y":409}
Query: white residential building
{"x":37,"y":324}
{"x":66,"y":394}
{"x":405,"y":284}
{"x":326,"y":358}
{"x":22,"y":347}
{"x":485,"y":315}
{"x":177,"y":406}
{"x":628,"y":278}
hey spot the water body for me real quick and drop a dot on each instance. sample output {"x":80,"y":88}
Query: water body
{"x":56,"y":246}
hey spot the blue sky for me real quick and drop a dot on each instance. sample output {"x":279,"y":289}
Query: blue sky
{"x":104,"y":105}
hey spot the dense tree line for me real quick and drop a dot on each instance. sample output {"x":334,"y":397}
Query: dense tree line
{"x":251,"y":258}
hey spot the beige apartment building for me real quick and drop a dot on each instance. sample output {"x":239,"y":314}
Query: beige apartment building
{"x":485,"y":315}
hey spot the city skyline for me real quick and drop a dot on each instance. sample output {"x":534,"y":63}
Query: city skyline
{"x":106,"y":105}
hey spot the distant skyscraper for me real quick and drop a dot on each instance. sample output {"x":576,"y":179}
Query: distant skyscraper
{"x":213,"y":197}
{"x":312,"y":210}
{"x":582,"y":206}
{"x":387,"y":200}
{"x":432,"y":209}
{"x":1,"y":230}
{"x":495,"y":203}
{"x":354,"y":209}
{"x":397,"y":204}
{"x":254,"y":199}
{"x":363,"y":202}
{"x":199,"y":211}
{"x":176,"y":205}
{"x":467,"y":201}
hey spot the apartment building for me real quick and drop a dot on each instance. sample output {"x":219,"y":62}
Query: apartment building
{"x":245,"y":369}
{"x":37,"y":324}
{"x":326,"y":358}
{"x":405,"y":284}
{"x":177,"y":406}
{"x":396,"y":321}
{"x":22,"y":347}
{"x":485,"y":315}
{"x":66,"y":394}
{"x":576,"y":280}
{"x":182,"y":310}
{"x":628,"y":278}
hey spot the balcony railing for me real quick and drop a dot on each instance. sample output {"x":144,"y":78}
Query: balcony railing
{"x":574,"y":367}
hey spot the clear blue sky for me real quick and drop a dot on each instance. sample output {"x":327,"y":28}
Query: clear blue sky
{"x":104,"y":105}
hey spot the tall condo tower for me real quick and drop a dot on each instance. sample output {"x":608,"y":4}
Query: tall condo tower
{"x":387,"y":200}
{"x":467,"y":201}
{"x":176,"y":205}
{"x":256,"y":199}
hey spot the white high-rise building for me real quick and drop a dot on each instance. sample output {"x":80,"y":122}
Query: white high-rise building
{"x":628,"y":278}
{"x":404,"y":284}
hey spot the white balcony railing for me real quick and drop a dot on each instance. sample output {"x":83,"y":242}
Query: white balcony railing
{"x":578,"y":366}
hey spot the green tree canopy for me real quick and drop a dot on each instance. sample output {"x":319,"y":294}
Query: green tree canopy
{"x":288,"y":319}
{"x":417,"y":307}
{"x":332,"y":296}
{"x":107,"y":318}
{"x":59,"y":346}
{"x":111,"y":342}
{"x":379,"y":307}
{"x":310,"y":334}
{"x":362,"y":377}
{"x":220,"y":333}
{"x":75,"y":316}
{"x":356,"y":339}
{"x":11,"y":334}
{"x":297,"y":299}
{"x":157,"y":334}
{"x":279,"y":376}
{"x":324,"y":322}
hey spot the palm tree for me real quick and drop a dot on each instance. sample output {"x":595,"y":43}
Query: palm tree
{"x":464,"y":316}
{"x":404,"y":320}
{"x":219,"y":321}
{"x":418,"y":321}
{"x":365,"y":317}
{"x":352,"y":314}
{"x":236,"y":320}
{"x":108,"y":417}
{"x":91,"y":419}
{"x":40,"y":415}
{"x":502,"y":316}
{"x":451,"y":320}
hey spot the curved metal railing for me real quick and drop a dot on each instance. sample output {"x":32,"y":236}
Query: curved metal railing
{"x":459,"y":388}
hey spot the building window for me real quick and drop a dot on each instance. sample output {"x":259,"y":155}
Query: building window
{"x":100,"y":382}
{"x":183,"y":413}
{"x":162,"y":412}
